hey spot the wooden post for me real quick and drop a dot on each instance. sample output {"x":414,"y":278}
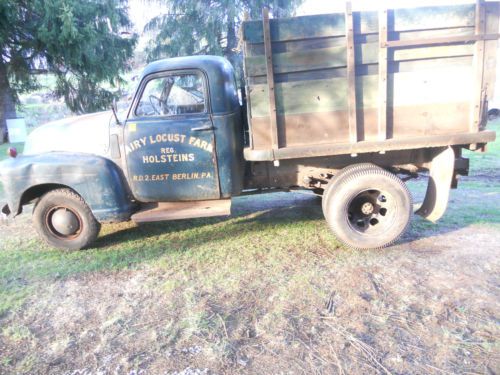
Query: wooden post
{"x":351,"y":75}
{"x":245,"y":90}
{"x":478,"y":66}
{"x":382,"y":75}
{"x":273,"y":115}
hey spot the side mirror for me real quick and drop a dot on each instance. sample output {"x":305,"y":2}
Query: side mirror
{"x":114,"y":109}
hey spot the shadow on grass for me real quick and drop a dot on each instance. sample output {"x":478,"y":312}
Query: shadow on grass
{"x":24,"y":261}
{"x":248,"y":214}
{"x":274,"y":211}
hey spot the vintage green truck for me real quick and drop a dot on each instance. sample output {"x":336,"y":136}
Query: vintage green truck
{"x":347,"y":105}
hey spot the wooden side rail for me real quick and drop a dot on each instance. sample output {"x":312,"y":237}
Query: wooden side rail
{"x":441,"y":40}
{"x":273,"y":114}
{"x":351,"y":75}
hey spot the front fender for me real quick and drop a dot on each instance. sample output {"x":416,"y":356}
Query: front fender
{"x":97,"y":180}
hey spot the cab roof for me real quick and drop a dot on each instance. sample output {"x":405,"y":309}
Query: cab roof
{"x":218,"y":70}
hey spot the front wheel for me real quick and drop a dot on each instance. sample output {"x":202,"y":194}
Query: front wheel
{"x":369,"y":208}
{"x":63,"y":219}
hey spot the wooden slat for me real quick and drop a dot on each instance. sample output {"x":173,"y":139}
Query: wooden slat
{"x":478,"y":97}
{"x":328,"y":25}
{"x":303,"y":45}
{"x":443,"y":40}
{"x":429,"y":85}
{"x":336,"y":57}
{"x":305,"y":27}
{"x":351,"y":75}
{"x":433,"y":17}
{"x":369,"y":70}
{"x":491,"y":50}
{"x":270,"y":79}
{"x":382,"y":76}
{"x":247,"y":99}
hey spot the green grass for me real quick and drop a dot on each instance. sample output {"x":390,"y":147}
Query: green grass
{"x":199,"y":245}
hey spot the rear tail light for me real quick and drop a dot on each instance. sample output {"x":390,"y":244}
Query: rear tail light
{"x":12,"y":152}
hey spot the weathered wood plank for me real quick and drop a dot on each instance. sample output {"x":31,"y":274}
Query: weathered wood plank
{"x":491,"y":49}
{"x":305,"y":27}
{"x":270,"y":79}
{"x":372,"y":69}
{"x":351,"y":75}
{"x":335,"y":57}
{"x":478,"y":63}
{"x":382,"y":75}
{"x":257,"y":49}
{"x":429,"y":86}
{"x":326,"y":25}
{"x":301,"y":97}
{"x":422,"y":18}
{"x":442,"y":40}
{"x":329,"y":127}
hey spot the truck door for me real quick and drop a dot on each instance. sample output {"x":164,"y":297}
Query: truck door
{"x":169,"y":140}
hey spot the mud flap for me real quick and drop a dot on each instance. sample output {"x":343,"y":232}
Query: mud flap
{"x":4,"y":211}
{"x":438,"y":188}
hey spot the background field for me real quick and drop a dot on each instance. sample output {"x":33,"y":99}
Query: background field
{"x":268,"y":290}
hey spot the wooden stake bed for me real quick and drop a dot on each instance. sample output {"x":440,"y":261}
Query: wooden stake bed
{"x":356,"y":80}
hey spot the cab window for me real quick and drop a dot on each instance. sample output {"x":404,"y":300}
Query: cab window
{"x":175,"y":94}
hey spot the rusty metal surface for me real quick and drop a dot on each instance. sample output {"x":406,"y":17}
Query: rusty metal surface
{"x":96,"y":179}
{"x":88,"y":133}
{"x":481,"y":137}
{"x":307,"y":172}
{"x":438,"y":188}
{"x":183,"y":210}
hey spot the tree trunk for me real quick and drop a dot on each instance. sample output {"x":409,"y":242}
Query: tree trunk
{"x":232,"y":42}
{"x":232,"y":55}
{"x":7,"y":103}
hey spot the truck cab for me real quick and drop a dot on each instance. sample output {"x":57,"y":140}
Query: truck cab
{"x":181,"y":141}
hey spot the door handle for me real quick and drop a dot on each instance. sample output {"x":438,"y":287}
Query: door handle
{"x":203,"y":128}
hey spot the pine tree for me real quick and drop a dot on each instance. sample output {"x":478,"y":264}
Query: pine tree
{"x":79,"y":41}
{"x":193,"y":27}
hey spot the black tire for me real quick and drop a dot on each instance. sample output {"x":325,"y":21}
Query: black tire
{"x":74,"y":228}
{"x":368,"y":208}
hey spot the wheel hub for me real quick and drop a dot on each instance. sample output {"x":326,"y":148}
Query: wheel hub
{"x":367,"y":208}
{"x":65,"y":222}
{"x":370,"y":212}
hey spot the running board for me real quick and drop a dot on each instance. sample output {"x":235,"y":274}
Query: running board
{"x":163,"y":211}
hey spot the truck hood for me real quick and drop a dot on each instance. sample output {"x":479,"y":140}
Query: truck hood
{"x":87,"y":134}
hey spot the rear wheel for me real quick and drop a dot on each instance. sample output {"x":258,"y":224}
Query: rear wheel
{"x":63,"y":219}
{"x":368,"y":208}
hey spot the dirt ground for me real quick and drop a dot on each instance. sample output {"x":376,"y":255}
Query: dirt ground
{"x":428,"y":305}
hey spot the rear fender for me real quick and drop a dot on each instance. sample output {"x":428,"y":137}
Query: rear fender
{"x":97,"y":180}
